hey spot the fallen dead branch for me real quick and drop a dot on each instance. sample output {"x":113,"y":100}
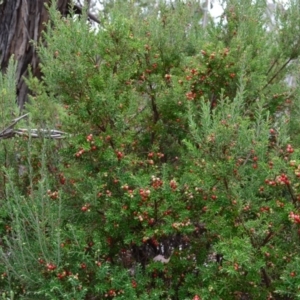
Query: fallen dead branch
{"x":10,"y":132}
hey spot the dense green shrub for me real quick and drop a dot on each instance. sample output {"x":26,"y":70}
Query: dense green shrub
{"x":178,"y":143}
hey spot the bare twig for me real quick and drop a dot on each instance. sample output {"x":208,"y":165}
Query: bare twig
{"x":277,"y":73}
{"x":36,"y":133}
{"x":78,"y":9}
{"x":10,"y":132}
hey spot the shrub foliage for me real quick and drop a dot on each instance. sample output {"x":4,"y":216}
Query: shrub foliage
{"x":179,"y":174}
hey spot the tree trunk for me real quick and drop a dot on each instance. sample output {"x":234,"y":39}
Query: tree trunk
{"x":22,"y":21}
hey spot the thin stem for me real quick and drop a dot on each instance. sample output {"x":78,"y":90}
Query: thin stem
{"x":277,"y":73}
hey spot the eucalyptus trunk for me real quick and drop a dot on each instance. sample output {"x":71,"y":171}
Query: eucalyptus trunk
{"x":21,"y":24}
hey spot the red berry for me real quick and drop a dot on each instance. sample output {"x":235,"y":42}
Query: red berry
{"x":98,"y":263}
{"x":151,"y":222}
{"x":168,"y":76}
{"x":84,"y":208}
{"x":150,"y":155}
{"x":120,"y":155}
{"x":89,"y":138}
{"x":134,"y":284}
{"x":289,"y":149}
{"x":51,"y":267}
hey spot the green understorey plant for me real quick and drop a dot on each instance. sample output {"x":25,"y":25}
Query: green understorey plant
{"x":179,"y":174}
